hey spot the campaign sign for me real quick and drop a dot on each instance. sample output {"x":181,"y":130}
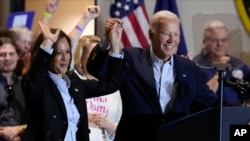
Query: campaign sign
{"x":239,"y":132}
{"x":24,"y":18}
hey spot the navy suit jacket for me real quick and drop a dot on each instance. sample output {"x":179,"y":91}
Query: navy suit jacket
{"x":142,"y":113}
{"x":47,"y":116}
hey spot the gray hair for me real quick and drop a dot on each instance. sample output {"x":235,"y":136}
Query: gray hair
{"x":21,"y":31}
{"x":212,"y":24}
{"x":163,"y":14}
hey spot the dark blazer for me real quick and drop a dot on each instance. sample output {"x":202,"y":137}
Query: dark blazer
{"x":142,"y":114}
{"x":47,"y":117}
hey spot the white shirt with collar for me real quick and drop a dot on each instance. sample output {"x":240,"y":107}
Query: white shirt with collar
{"x":73,"y":115}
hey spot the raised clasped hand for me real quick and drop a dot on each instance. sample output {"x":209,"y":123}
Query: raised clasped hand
{"x":115,"y":36}
{"x":109,"y":25}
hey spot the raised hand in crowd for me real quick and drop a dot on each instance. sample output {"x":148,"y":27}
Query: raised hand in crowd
{"x":51,"y":6}
{"x":90,"y":12}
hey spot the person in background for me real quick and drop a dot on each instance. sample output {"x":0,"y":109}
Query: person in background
{"x":104,"y":112}
{"x":12,"y":104}
{"x":24,"y":38}
{"x":24,"y":41}
{"x":157,"y":86}
{"x":55,"y":96}
{"x":215,"y":51}
{"x":15,"y":45}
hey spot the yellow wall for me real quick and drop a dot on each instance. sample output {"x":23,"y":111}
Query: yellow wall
{"x":4,"y":12}
{"x":66,"y":16}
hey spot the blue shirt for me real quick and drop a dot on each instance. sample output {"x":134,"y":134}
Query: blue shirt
{"x":72,"y":112}
{"x":164,"y":79}
{"x":73,"y":115}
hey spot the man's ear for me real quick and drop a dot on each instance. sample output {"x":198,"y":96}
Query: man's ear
{"x":150,"y":33}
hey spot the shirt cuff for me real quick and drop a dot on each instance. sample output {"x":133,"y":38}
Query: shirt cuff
{"x":49,"y":51}
{"x":116,"y":55}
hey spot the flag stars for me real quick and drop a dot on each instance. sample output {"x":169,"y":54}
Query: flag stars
{"x":126,"y":7}
{"x":118,"y":4}
{"x":117,"y":13}
{"x":135,"y":1}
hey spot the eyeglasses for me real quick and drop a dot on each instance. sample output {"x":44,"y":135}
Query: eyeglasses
{"x":213,"y":40}
{"x":10,"y":91}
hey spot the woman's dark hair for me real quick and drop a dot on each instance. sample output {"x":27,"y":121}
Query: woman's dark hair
{"x":38,"y":41}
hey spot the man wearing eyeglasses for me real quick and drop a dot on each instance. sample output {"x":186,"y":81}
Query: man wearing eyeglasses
{"x":12,"y":105}
{"x":215,"y":51}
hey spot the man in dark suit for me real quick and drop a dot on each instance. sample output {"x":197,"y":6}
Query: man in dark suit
{"x":158,"y":86}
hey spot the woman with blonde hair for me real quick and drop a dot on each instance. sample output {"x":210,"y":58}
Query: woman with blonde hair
{"x":104,"y":112}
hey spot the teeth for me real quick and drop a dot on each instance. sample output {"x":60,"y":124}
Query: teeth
{"x":169,"y":46}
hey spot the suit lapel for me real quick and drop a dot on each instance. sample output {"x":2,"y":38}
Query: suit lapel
{"x":179,"y":69}
{"x":58,"y":97}
{"x":78,"y":100}
{"x":181,"y":80}
{"x":148,"y":74}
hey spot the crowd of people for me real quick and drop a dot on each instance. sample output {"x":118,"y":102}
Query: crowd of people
{"x":58,"y":86}
{"x":15,"y":54}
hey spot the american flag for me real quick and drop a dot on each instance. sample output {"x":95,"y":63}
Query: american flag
{"x":135,"y":18}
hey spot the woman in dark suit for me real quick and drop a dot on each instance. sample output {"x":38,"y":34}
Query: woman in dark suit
{"x":55,"y":98}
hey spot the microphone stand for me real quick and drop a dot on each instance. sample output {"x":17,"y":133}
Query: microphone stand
{"x":221,"y":68}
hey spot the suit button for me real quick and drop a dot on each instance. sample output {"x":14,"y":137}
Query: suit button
{"x":59,"y":139}
{"x":54,"y":116}
{"x":65,"y":123}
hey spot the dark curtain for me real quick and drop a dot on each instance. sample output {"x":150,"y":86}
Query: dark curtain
{"x":17,"y":5}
